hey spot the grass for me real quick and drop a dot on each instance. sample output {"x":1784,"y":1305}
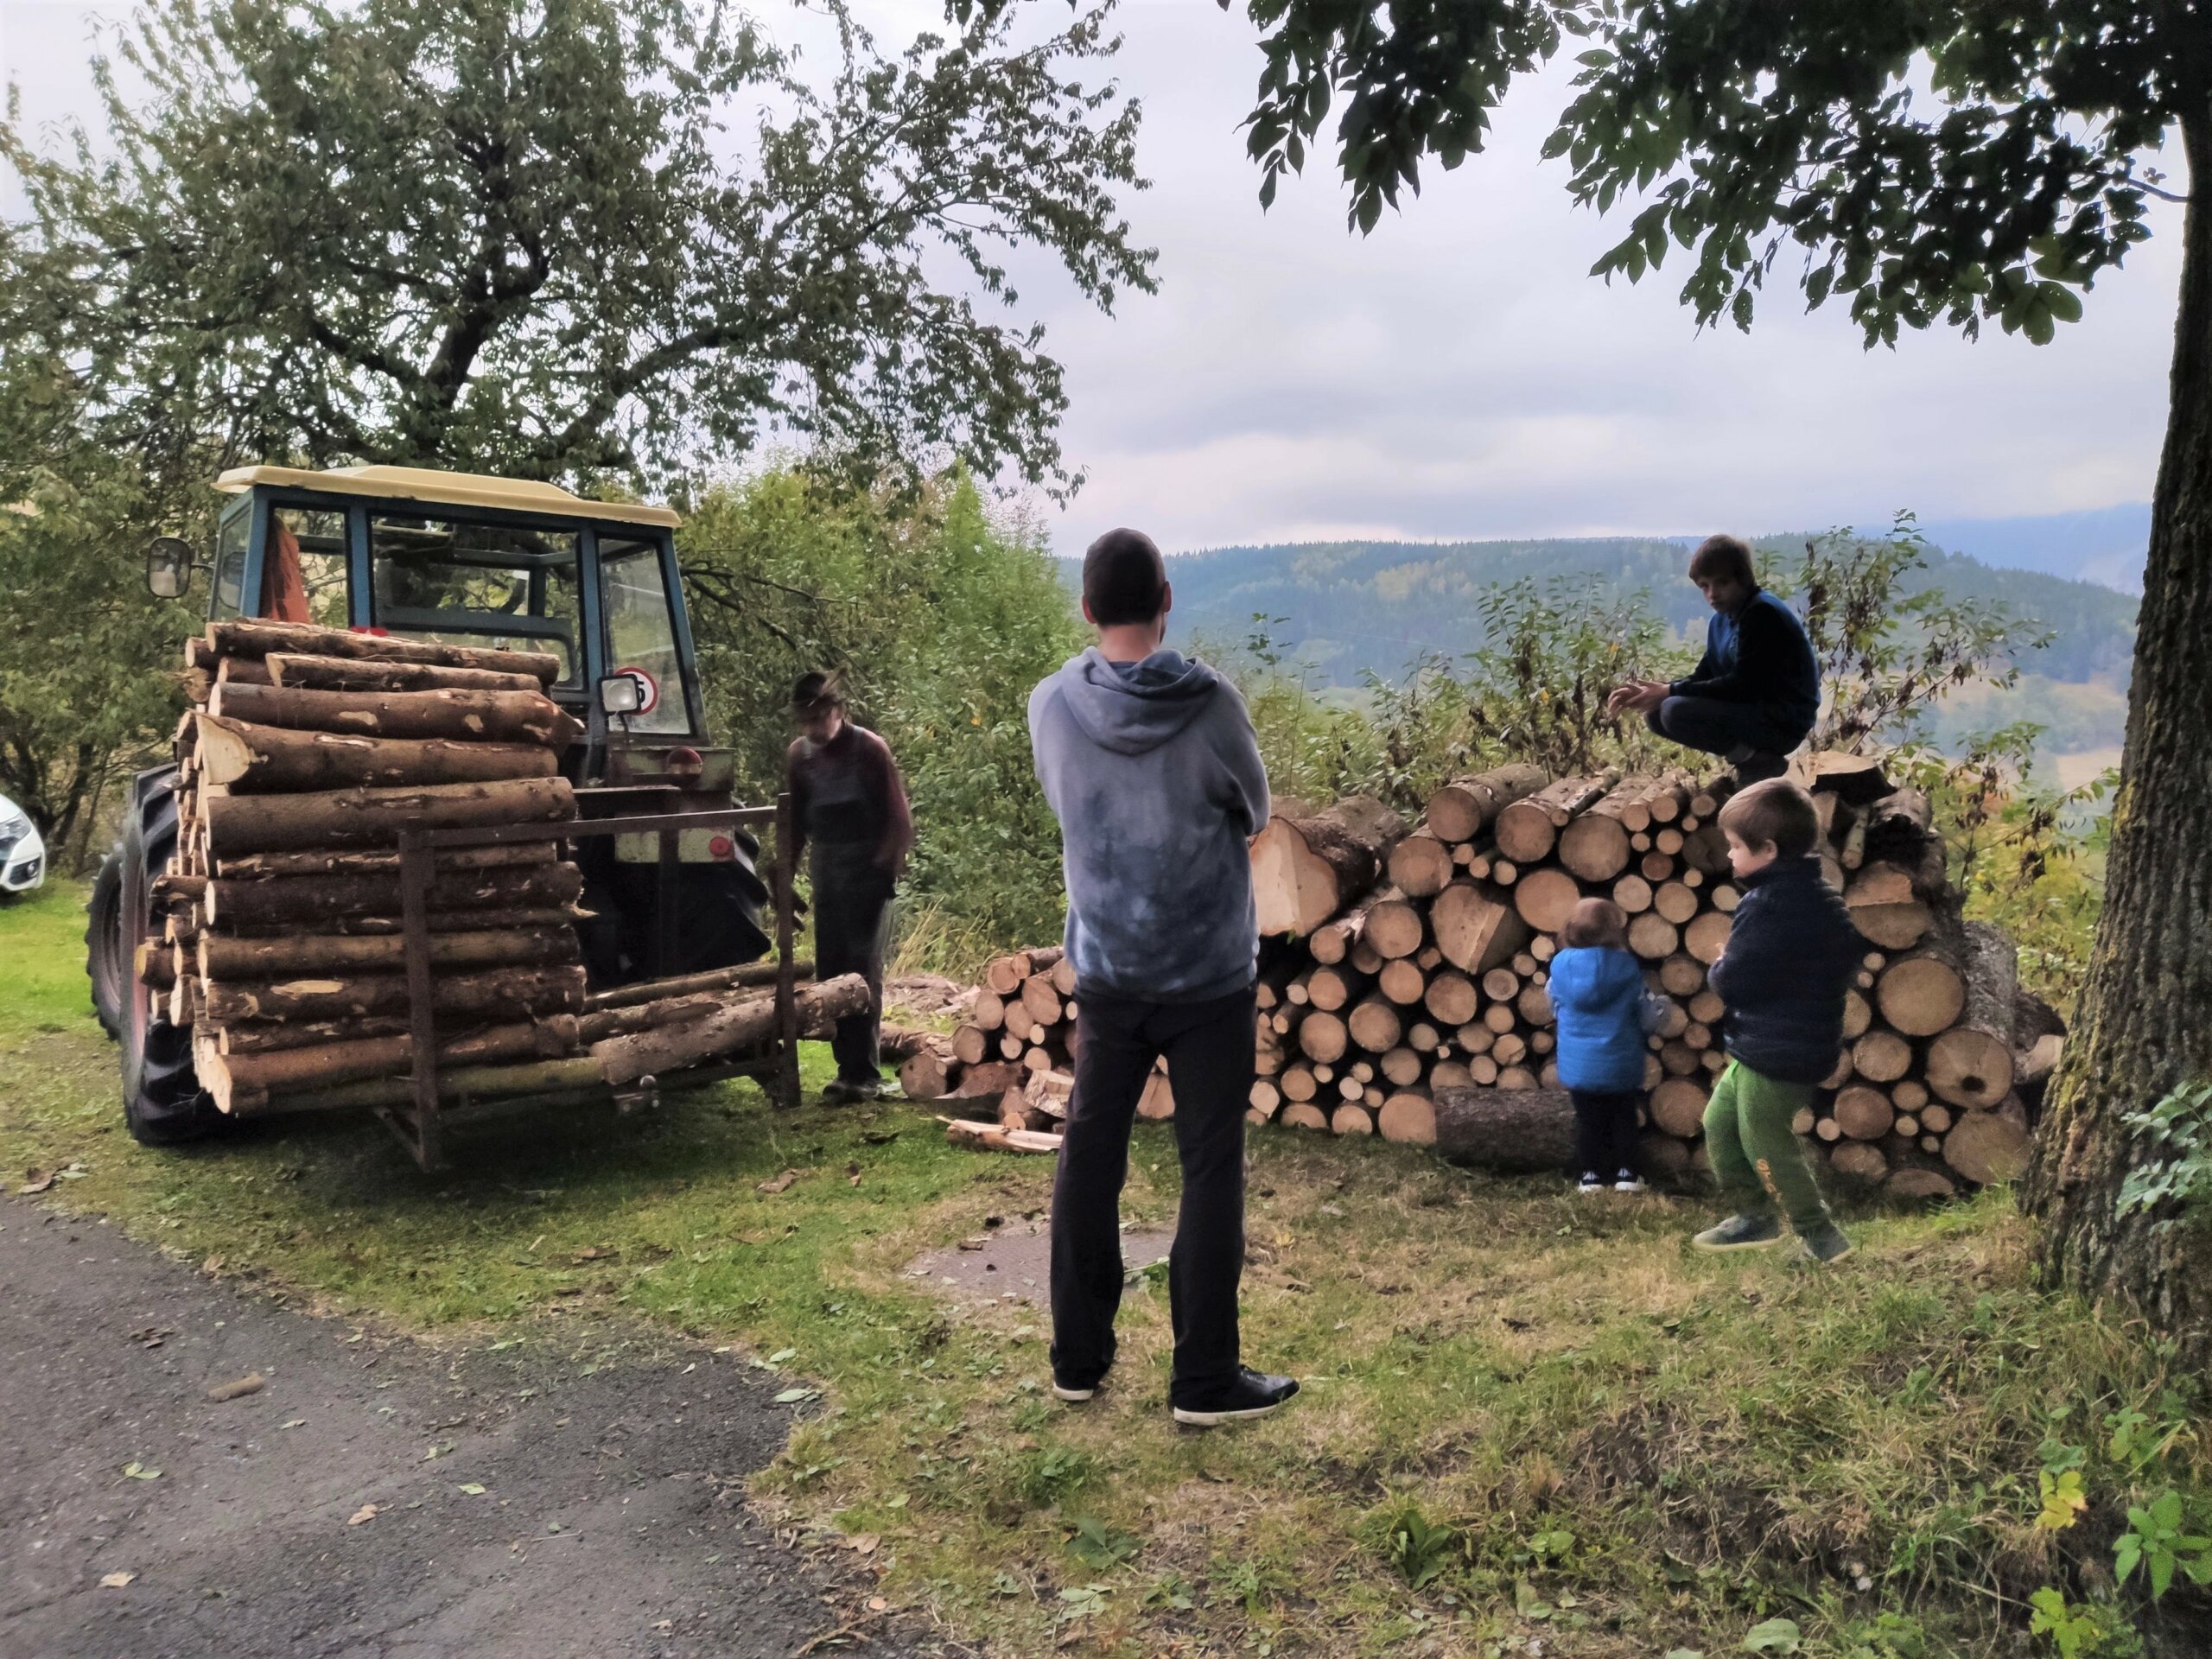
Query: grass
{"x":1526,"y":1416}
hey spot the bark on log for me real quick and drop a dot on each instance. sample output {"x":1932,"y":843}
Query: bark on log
{"x":712,"y":979}
{"x":749,"y":1024}
{"x":596,"y":1026}
{"x":1546,"y":898}
{"x":468,"y":1082}
{"x":298,"y":672}
{"x":251,"y":638}
{"x":243,"y":1082}
{"x":1970,"y":1064}
{"x":272,"y":760}
{"x":265,"y":1036}
{"x":255,"y":865}
{"x":502,"y":994}
{"x":1858,"y":779}
{"x":1477,"y":927}
{"x":1506,"y":1130}
{"x":238,"y":825}
{"x":1304,"y":871}
{"x":308,"y":900}
{"x":461,"y":717}
{"x":1528,"y":829}
{"x":1466,"y":806}
{"x":223,"y":958}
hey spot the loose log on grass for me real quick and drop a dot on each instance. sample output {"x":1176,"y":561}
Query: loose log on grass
{"x":297,"y":672}
{"x":238,"y":825}
{"x":1504,"y":1130}
{"x":1466,"y":806}
{"x":272,"y":760}
{"x":748,"y":1024}
{"x":1305,"y":870}
{"x":461,"y":717}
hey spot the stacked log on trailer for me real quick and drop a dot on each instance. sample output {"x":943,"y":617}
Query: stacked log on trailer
{"x":1404,"y":989}
{"x":307,"y":752}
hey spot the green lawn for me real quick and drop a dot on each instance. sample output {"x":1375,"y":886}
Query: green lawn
{"x":1526,"y":1416}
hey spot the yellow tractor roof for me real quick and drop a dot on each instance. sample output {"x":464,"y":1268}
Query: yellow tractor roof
{"x":447,"y":490}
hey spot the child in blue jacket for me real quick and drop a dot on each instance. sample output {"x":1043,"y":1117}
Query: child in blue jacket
{"x":1598,"y":996}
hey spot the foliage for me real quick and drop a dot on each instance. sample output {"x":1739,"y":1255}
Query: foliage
{"x":1887,"y":654}
{"x":2157,"y":1540}
{"x":1417,"y":1549}
{"x":512,"y":235}
{"x":2081,"y":1631}
{"x":2174,"y":1175}
{"x":1754,"y":128}
{"x":942,"y":622}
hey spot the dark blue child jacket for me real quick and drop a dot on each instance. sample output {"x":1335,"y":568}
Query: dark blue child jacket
{"x":1792,"y":953}
{"x":1598,"y":996}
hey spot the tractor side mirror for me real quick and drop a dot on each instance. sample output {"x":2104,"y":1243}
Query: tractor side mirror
{"x":168,"y":568}
{"x":621,"y":694}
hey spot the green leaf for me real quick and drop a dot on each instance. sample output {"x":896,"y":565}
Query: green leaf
{"x":471,"y":1489}
{"x":795,"y":1396}
{"x":1776,"y":1636}
{"x":140,"y":1471}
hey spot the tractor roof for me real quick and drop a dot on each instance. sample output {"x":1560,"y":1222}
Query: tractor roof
{"x":447,"y":490}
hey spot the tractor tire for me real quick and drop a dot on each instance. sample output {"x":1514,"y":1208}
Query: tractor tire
{"x":162,"y":1101}
{"x":107,"y":959}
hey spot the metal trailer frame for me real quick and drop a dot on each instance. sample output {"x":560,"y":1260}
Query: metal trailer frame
{"x":421,"y":1125}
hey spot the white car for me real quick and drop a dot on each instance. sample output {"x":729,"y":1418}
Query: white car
{"x":22,"y":854}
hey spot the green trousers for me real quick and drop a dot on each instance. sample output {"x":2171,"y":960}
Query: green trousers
{"x":1755,"y":1152}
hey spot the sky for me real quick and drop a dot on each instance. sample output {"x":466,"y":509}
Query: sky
{"x":1457,"y":374}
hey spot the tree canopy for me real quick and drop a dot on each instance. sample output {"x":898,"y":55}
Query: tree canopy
{"x":568,"y":236}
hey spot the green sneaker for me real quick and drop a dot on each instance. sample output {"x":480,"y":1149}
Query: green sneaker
{"x":1823,"y":1245}
{"x":1743,"y":1232}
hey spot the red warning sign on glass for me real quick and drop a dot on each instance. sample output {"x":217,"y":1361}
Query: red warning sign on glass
{"x":648,"y":688}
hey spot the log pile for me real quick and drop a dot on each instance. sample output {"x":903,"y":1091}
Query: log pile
{"x":1012,"y":1061}
{"x":1416,"y":1008}
{"x":306,"y":752}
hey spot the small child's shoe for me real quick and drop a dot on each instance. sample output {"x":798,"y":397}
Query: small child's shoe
{"x":1628,"y":1181}
{"x":1592,"y":1182}
{"x":1743,"y":1232}
{"x":1820,"y":1245}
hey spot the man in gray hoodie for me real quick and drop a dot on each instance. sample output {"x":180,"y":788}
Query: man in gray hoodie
{"x":1149,"y":763}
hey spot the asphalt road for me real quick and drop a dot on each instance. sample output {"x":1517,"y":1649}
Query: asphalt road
{"x":610,"y":1518}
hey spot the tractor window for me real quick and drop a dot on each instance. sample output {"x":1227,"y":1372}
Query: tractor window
{"x":230,"y":565}
{"x":317,"y":549}
{"x":641,"y":633}
{"x":473,"y":584}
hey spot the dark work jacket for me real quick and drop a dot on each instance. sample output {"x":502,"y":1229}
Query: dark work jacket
{"x":1792,"y":953}
{"x":1760,"y":656}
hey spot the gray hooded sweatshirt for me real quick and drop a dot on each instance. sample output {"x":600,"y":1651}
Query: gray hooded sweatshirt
{"x":1153,"y":772}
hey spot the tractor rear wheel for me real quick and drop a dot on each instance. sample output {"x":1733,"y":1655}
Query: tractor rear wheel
{"x":107,"y":960}
{"x":162,"y":1101}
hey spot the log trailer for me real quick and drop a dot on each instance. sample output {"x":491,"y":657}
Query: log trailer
{"x":441,"y":580}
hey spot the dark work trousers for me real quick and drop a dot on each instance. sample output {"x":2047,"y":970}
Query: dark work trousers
{"x":1735,"y":731}
{"x":1208,"y":1050}
{"x":852,"y":922}
{"x":1604,"y":1131}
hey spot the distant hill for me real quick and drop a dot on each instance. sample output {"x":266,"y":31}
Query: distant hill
{"x":1346,"y":607}
{"x":2106,"y":546}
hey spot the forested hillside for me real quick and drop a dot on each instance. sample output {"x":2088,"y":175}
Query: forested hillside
{"x":1343,"y":608}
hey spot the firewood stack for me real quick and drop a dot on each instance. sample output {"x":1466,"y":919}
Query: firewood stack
{"x":1403,"y":993}
{"x":307,"y":753}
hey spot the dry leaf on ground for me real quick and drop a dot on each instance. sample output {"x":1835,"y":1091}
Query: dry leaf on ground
{"x":366,"y":1512}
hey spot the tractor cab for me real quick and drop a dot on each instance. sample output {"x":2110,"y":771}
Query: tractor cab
{"x":499,"y":563}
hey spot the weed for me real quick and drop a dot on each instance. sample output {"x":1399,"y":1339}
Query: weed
{"x":1417,"y":1549}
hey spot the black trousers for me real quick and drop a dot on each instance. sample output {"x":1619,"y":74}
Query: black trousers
{"x":1604,"y":1131}
{"x":1209,"y":1050}
{"x":1733,"y":731}
{"x":852,"y":915}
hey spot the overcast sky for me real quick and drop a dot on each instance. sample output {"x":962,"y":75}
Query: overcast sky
{"x":1458,"y":374}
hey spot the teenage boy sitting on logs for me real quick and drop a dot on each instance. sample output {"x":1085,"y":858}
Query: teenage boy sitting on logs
{"x":1754,"y":695}
{"x":1149,"y":762}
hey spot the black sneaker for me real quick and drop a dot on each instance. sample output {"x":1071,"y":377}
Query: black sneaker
{"x":1253,"y":1394}
{"x":1818,"y":1246}
{"x":1745,"y":1232}
{"x":1592,"y":1182}
{"x":1074,"y":1393}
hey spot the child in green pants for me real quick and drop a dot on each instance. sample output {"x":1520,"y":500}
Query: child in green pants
{"x":1792,"y":953}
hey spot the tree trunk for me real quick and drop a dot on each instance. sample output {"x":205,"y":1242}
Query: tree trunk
{"x":223,"y":958}
{"x":306,"y":900}
{"x":237,"y":824}
{"x":508,"y":993}
{"x":1506,"y":1130}
{"x":1466,"y":806}
{"x":461,"y":717}
{"x":473,"y":1082}
{"x":304,"y":673}
{"x":249,"y":637}
{"x":272,"y":760}
{"x":597,"y":1025}
{"x":748,"y":1024}
{"x":1304,"y":871}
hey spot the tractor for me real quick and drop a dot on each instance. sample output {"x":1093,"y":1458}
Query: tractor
{"x":474,"y":560}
